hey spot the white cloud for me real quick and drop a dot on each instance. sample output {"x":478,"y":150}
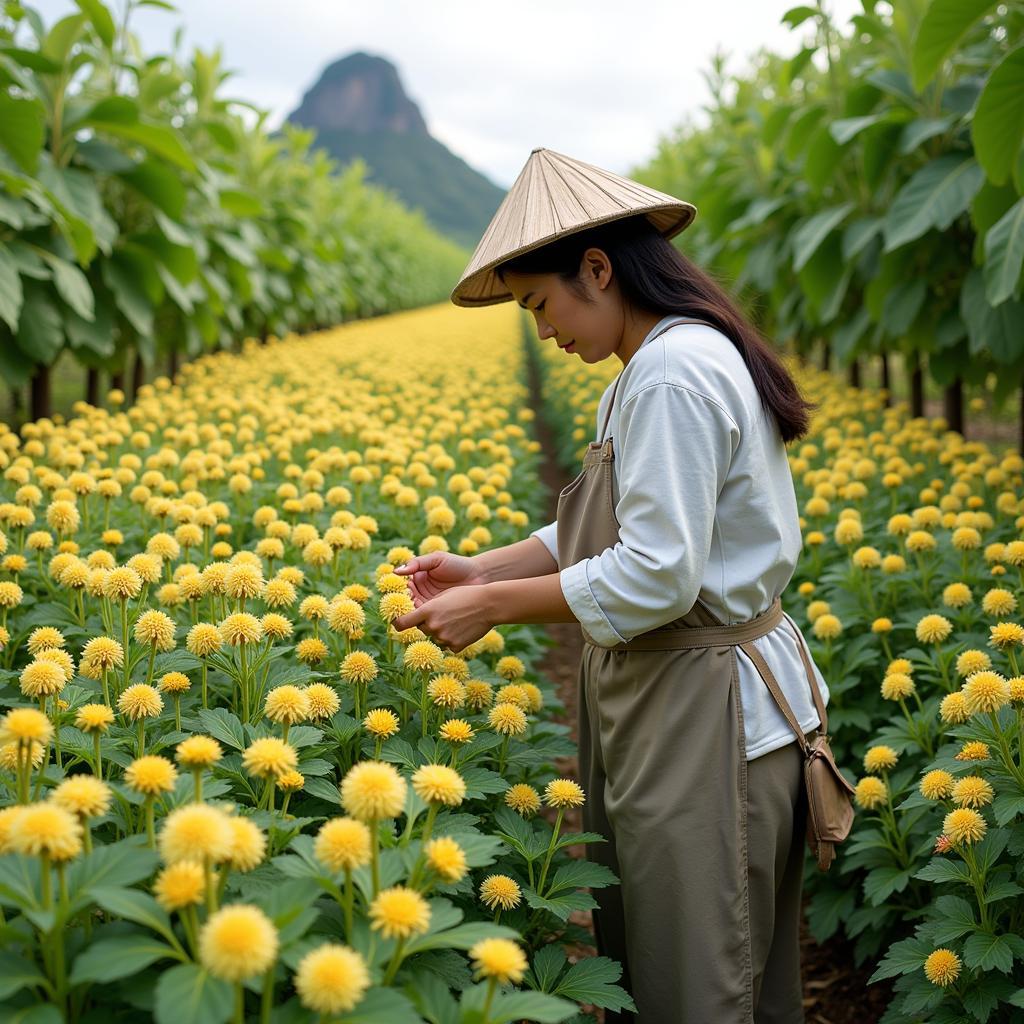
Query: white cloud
{"x":597,"y":79}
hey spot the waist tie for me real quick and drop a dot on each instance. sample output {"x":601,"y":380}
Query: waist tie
{"x":702,"y":636}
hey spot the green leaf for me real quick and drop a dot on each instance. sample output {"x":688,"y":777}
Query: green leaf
{"x":592,"y":980}
{"x":1004,"y":254}
{"x":916,"y":132}
{"x":580,"y":873}
{"x":323,"y":789}
{"x":110,"y":959}
{"x":806,"y":238}
{"x":188,"y":993}
{"x":378,"y":1006}
{"x":133,"y":905}
{"x":462,"y":936}
{"x":997,"y":128}
{"x":72,"y":285}
{"x":561,"y":905}
{"x":796,"y":16}
{"x":533,"y":1006}
{"x":547,"y":966}
{"x":22,"y":130}
{"x":988,"y":951}
{"x":100,"y":18}
{"x":224,"y":726}
{"x":998,"y":330}
{"x":161,"y":185}
{"x":159,"y":140}
{"x":40,"y":327}
{"x":118,"y":864}
{"x":902,"y":958}
{"x":16,"y":973}
{"x":944,"y":24}
{"x":957,"y":918}
{"x":933,"y":198}
{"x":11,"y":294}
{"x":847,"y":128}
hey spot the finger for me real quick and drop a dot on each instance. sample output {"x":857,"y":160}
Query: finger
{"x":409,"y":619}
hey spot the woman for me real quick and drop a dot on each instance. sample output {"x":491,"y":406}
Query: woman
{"x":671,"y":548}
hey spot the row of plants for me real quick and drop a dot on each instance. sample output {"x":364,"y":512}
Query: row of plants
{"x":909,"y":592}
{"x":866,"y":192}
{"x":147,"y":215}
{"x":231,"y":789}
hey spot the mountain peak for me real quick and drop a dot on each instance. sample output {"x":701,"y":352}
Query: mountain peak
{"x":360,"y":93}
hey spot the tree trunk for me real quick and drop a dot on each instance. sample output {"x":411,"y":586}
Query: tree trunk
{"x":953,"y":401}
{"x":854,"y":374}
{"x":41,"y":404}
{"x":885,"y":377}
{"x":172,"y":363}
{"x":92,"y":386}
{"x":117,"y":381}
{"x":138,"y":376}
{"x":826,"y":354}
{"x":916,"y":385}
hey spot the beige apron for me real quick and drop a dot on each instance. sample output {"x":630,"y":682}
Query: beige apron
{"x":709,"y":848}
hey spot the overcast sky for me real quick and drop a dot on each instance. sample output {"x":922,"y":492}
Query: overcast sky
{"x":599,"y":80}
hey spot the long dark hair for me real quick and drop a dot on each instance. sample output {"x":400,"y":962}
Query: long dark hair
{"x":654,"y":276}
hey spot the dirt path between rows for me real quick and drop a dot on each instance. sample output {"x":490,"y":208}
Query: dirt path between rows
{"x":835,"y":992}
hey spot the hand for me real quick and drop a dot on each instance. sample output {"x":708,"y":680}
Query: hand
{"x":433,"y":574}
{"x":454,"y":619}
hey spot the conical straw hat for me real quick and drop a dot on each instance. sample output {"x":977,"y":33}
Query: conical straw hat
{"x":554,"y":196}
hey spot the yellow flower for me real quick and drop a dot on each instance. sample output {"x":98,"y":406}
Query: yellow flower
{"x":287,"y":704}
{"x":358,"y":667}
{"x":456,"y":730}
{"x":998,"y":601}
{"x":238,"y":942}
{"x":269,"y":756}
{"x":331,"y":979}
{"x":46,"y":829}
{"x":522,"y":798}
{"x":446,"y":691}
{"x":180,"y":885}
{"x":323,"y":701}
{"x":381,"y":722}
{"x":342,"y":844}
{"x":478,"y":693}
{"x":373,"y":789}
{"x":140,"y":701}
{"x":195,"y":831}
{"x":933,"y":629}
{"x":174,"y":682}
{"x":198,"y":752}
{"x":973,"y":750}
{"x":41,"y":678}
{"x":897,"y":685}
{"x":871,"y":792}
{"x":399,"y":912}
{"x":44,"y":637}
{"x":942,"y":967}
{"x":880,"y":758}
{"x":25,"y":725}
{"x":151,"y":775}
{"x":94,"y":718}
{"x":248,"y":844}
{"x":423,"y":655}
{"x":564,"y":793}
{"x":1006,"y":634}
{"x":964,"y":825}
{"x":956,"y":595}
{"x":971,"y":661}
{"x":827,"y":626}
{"x":437,"y":783}
{"x":510,"y":667}
{"x":985,"y":691}
{"x":203,"y":639}
{"x":241,"y":628}
{"x":311,"y":650}
{"x":84,"y":795}
{"x":936,"y":784}
{"x":953,"y":708}
{"x":507,"y":719}
{"x":972,"y":791}
{"x":500,"y":891}
{"x":501,"y":959}
{"x":446,"y":857}
{"x":155,"y":629}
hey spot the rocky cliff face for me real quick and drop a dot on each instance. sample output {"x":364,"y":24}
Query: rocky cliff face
{"x":360,"y":93}
{"x":359,"y":109}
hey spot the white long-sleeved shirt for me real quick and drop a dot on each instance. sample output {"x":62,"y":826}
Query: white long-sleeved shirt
{"x":704,"y":498}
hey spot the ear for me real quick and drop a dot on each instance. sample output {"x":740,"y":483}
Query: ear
{"x":596,"y":267}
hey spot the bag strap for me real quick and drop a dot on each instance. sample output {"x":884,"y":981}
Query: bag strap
{"x":776,"y":691}
{"x":611,"y":401}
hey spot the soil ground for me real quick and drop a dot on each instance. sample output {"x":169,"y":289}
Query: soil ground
{"x":835,"y":991}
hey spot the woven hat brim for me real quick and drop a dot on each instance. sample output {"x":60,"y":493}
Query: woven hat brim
{"x":484,"y":287}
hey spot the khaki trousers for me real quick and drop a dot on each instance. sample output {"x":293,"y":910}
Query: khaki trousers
{"x":708,"y":846}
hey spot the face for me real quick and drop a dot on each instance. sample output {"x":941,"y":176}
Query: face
{"x":593,"y":330}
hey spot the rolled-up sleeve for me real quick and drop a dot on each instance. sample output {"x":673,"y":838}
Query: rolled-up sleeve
{"x":673,"y":449}
{"x":548,"y":536}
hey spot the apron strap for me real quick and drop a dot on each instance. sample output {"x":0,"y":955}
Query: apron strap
{"x":774,"y":689}
{"x":676,"y":320}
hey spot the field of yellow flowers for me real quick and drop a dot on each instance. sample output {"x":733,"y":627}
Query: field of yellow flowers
{"x":231,"y":790}
{"x":910,"y":591}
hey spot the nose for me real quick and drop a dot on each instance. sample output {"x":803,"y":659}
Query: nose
{"x":544,"y":329}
